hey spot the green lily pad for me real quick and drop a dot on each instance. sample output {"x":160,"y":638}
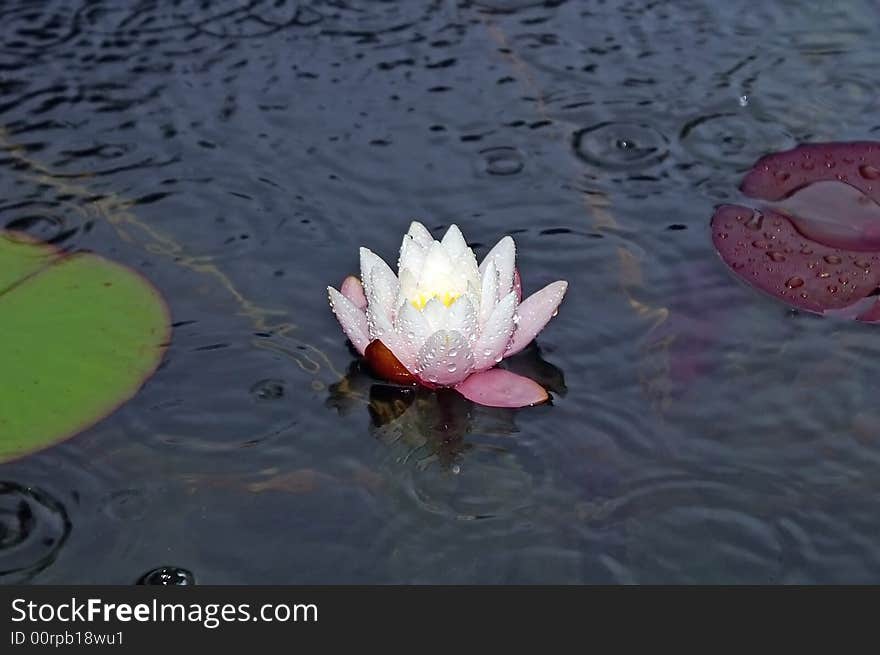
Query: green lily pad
{"x":79,"y":335}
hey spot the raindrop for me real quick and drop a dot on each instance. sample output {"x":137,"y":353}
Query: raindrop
{"x":167,"y":576}
{"x":620,"y":145}
{"x":832,"y":259}
{"x":502,"y":161}
{"x":33,"y":528}
{"x":794,"y":282}
{"x":776,"y":256}
{"x":268,"y":389}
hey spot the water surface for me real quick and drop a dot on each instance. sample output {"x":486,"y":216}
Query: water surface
{"x":239,"y":153}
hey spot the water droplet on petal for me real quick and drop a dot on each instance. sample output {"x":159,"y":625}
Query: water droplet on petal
{"x":869,"y":172}
{"x":794,"y":282}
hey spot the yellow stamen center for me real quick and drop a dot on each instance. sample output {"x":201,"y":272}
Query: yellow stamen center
{"x":422,"y":299}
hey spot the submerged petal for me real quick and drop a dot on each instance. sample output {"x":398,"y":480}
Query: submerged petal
{"x":499,"y":388}
{"x":352,"y":319}
{"x":534,"y":312}
{"x":445,"y":359}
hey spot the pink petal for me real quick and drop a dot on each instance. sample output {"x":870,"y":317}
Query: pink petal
{"x":499,"y":388}
{"x":445,"y":359}
{"x":352,"y":319}
{"x":534,"y":313}
{"x":517,"y":285}
{"x":768,"y":252}
{"x":354,"y":291}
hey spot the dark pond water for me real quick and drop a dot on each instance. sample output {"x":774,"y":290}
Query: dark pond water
{"x":238,"y":153}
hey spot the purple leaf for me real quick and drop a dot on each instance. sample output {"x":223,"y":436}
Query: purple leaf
{"x":500,"y":388}
{"x":769,"y":253}
{"x":817,"y":242}
{"x":777,"y":176}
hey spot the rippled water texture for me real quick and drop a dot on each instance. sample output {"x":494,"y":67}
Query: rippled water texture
{"x":238,"y":153}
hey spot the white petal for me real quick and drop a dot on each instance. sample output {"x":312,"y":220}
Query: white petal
{"x":352,"y":319}
{"x":381,"y":328}
{"x":412,"y":255}
{"x":382,"y":291}
{"x":435,"y":314}
{"x":408,"y":286}
{"x":462,"y":317}
{"x":465,"y":267}
{"x":369,"y":262}
{"x":445,"y":359}
{"x":420,"y":234}
{"x":533,"y":314}
{"x":412,"y":327}
{"x":496,"y":334}
{"x":453,"y":242}
{"x":437,"y":268}
{"x":488,"y":292}
{"x":504,"y":256}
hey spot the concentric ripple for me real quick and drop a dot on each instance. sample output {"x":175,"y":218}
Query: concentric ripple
{"x":621,"y":146}
{"x":33,"y":528}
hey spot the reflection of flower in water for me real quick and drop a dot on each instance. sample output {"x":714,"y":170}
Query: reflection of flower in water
{"x":425,"y":426}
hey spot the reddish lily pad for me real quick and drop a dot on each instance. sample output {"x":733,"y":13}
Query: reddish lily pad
{"x":815,"y":243}
{"x":766,"y":250}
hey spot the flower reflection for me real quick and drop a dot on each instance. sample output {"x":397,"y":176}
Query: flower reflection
{"x":439,"y":426}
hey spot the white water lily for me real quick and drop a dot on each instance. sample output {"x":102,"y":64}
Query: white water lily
{"x":446,"y":319}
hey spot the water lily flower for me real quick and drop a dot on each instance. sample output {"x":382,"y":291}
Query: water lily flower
{"x":444,"y":321}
